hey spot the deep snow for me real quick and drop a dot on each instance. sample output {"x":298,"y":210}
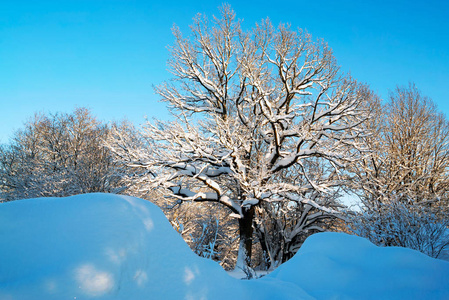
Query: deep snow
{"x":103,"y":246}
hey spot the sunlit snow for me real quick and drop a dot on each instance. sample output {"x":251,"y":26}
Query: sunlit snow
{"x":101,"y":246}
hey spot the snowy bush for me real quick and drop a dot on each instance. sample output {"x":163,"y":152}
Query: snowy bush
{"x":208,"y":230}
{"x":398,"y":224}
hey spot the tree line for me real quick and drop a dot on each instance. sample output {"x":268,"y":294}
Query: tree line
{"x":267,"y":136}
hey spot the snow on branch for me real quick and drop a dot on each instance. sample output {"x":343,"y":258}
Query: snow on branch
{"x":262,"y":116}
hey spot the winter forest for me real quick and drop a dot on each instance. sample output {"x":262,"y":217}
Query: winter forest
{"x":267,"y":141}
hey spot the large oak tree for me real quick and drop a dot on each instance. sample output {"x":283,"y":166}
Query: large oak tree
{"x":262,"y":116}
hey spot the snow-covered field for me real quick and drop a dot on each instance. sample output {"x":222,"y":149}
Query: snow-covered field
{"x":102,"y":246}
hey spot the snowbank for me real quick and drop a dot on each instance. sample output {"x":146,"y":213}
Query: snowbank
{"x":106,"y":246}
{"x":101,"y":246}
{"x":338,"y":265}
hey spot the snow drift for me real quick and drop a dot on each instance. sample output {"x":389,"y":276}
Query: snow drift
{"x":337,"y":264}
{"x":106,"y":246}
{"x":102,"y":246}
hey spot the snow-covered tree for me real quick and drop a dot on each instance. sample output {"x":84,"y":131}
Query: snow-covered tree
{"x":57,"y":155}
{"x":254,"y":113}
{"x":409,"y":158}
{"x":403,"y":182}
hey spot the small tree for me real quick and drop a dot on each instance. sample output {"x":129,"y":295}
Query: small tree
{"x":57,"y":155}
{"x":254,"y":110}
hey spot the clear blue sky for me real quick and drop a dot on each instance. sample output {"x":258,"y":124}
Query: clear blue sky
{"x":107,"y":55}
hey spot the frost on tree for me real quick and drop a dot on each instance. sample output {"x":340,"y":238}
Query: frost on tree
{"x":409,"y":153}
{"x":262,"y":117}
{"x":403,"y":183}
{"x":57,"y":155}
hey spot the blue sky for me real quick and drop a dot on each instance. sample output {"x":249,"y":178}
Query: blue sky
{"x":107,"y":55}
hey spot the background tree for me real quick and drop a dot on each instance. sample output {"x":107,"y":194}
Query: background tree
{"x":403,"y":182}
{"x":254,"y":111}
{"x":409,"y":152}
{"x":57,"y":155}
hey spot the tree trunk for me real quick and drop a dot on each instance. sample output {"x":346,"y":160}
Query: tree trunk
{"x":246,"y":239}
{"x":267,"y":262}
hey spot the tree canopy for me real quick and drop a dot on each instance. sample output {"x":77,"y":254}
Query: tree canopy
{"x":262,"y":116}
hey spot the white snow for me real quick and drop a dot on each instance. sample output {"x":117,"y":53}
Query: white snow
{"x":338,"y":265}
{"x":103,"y":246}
{"x":250,"y":202}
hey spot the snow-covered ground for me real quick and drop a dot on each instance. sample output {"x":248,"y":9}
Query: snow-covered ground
{"x":102,"y":246}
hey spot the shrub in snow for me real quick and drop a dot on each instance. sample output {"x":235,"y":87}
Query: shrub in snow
{"x":397,"y":224}
{"x":207,"y":229}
